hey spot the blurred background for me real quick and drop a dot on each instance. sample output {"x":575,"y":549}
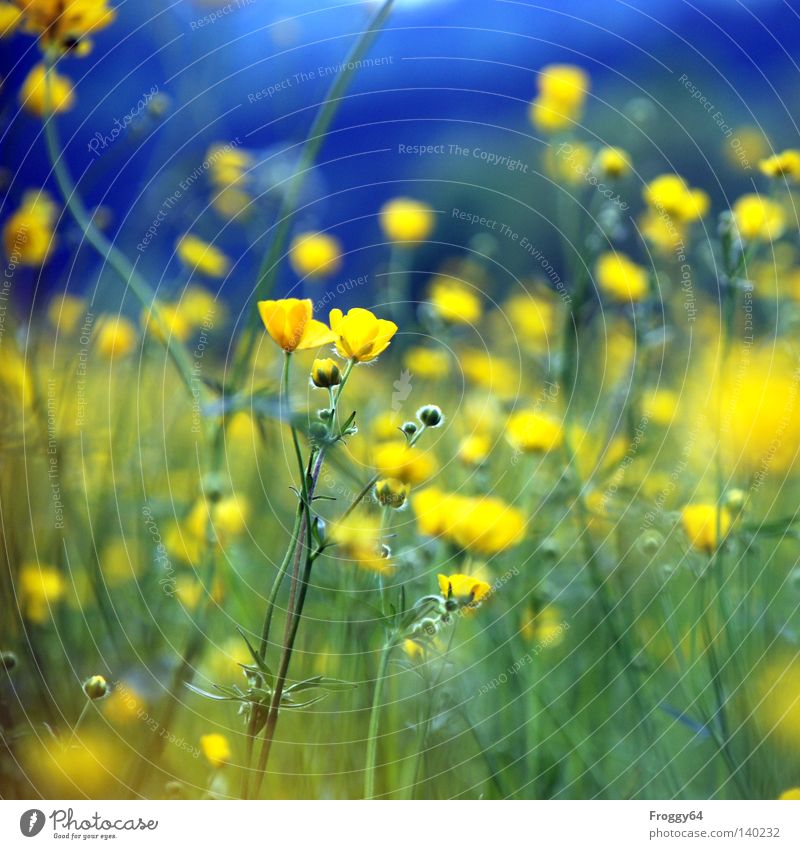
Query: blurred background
{"x":170,"y":80}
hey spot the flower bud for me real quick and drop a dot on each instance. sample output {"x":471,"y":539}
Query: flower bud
{"x":325,"y":415}
{"x":95,"y":687}
{"x":430,"y":415}
{"x":325,"y":373}
{"x":8,"y":660}
{"x":391,"y":492}
{"x":409,"y":428}
{"x":735,"y":500}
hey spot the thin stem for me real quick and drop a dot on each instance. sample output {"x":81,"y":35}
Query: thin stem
{"x":110,"y":254}
{"x":79,"y":720}
{"x":374,"y":719}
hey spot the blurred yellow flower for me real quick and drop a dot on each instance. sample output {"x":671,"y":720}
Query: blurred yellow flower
{"x":360,"y":335}
{"x":665,"y":234}
{"x":670,"y":194}
{"x":199,"y":256}
{"x":85,"y":766}
{"x":486,"y":525}
{"x":785,"y":164}
{"x":28,"y":236}
{"x":35,"y":98}
{"x":406,"y":220}
{"x":531,"y":431}
{"x":114,"y":335}
{"x":700,"y":525}
{"x":473,"y":450}
{"x":315,"y":254}
{"x":562,"y":91}
{"x":407,"y":463}
{"x":64,"y":23}
{"x":464,"y":590}
{"x":229,"y":516}
{"x":40,"y":588}
{"x":545,"y":627}
{"x":568,"y":164}
{"x":792,"y":794}
{"x":660,"y":406}
{"x":619,"y":277}
{"x":358,"y":538}
{"x":291,"y":326}
{"x":65,"y":312}
{"x":758,"y":218}
{"x":10,"y":19}
{"x":455,"y":302}
{"x":216,"y":749}
{"x":123,"y":704}
{"x":612,"y":163}
{"x":491,"y":372}
{"x":199,"y":308}
{"x":427,"y":363}
{"x":533,"y":318}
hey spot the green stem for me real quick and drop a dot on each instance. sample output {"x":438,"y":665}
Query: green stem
{"x":270,"y":265}
{"x":110,"y":254}
{"x":79,"y":720}
{"x":374,"y":718}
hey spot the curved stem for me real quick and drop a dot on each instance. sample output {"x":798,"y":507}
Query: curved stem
{"x":374,"y":719}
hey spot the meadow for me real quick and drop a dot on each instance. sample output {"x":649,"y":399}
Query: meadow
{"x":446,"y":531}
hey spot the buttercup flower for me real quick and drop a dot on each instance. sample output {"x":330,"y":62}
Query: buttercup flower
{"x":66,"y":312}
{"x":406,"y":220}
{"x":325,"y":373}
{"x":562,"y":91}
{"x":391,"y":492}
{"x":427,"y":363}
{"x":95,"y":687}
{"x":486,"y":525}
{"x":700,"y":525}
{"x":612,"y":162}
{"x":28,"y":236}
{"x":40,"y":588}
{"x":408,"y":463}
{"x":463,"y":590}
{"x":474,"y":449}
{"x":291,"y":326}
{"x":758,"y":218}
{"x":531,"y":431}
{"x":455,"y":302}
{"x":199,"y":256}
{"x":670,"y":195}
{"x":215,"y":749}
{"x":34,"y":95}
{"x":315,"y":255}
{"x":65,"y":23}
{"x":358,"y":538}
{"x":619,"y":277}
{"x":785,"y":164}
{"x":359,"y":335}
{"x":115,"y":336}
{"x":10,"y":19}
{"x":792,"y":794}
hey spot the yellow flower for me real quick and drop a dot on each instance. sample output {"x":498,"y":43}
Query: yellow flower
{"x":568,"y":165}
{"x":665,"y":234}
{"x":165,"y":321}
{"x":199,"y":307}
{"x":358,"y":538}
{"x":124,"y":704}
{"x":455,"y":302}
{"x":28,"y":236}
{"x":229,"y":516}
{"x":413,"y":650}
{"x":669,"y":193}
{"x":315,"y":255}
{"x":531,"y":431}
{"x":34,"y":95}
{"x":474,"y":449}
{"x":118,"y":561}
{"x":216,"y":749}
{"x":464,"y":590}
{"x":406,"y":220}
{"x":612,"y":162}
{"x":619,"y":277}
{"x":434,"y":510}
{"x":427,"y":363}
{"x":700,"y":525}
{"x":63,"y":23}
{"x":759,"y":218}
{"x":40,"y":587}
{"x":359,"y":335}
{"x":533,"y":319}
{"x":391,"y":492}
{"x":66,"y":312}
{"x":325,"y":373}
{"x":785,"y":164}
{"x":386,"y":425}
{"x":486,"y":525}
{"x":493,"y":373}
{"x":10,"y":18}
{"x":545,"y":627}
{"x":407,"y":463}
{"x":562,"y":91}
{"x":291,"y":326}
{"x":199,"y":256}
{"x":115,"y":336}
{"x":660,"y":406}
{"x":792,"y":794}
{"x":95,"y":687}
